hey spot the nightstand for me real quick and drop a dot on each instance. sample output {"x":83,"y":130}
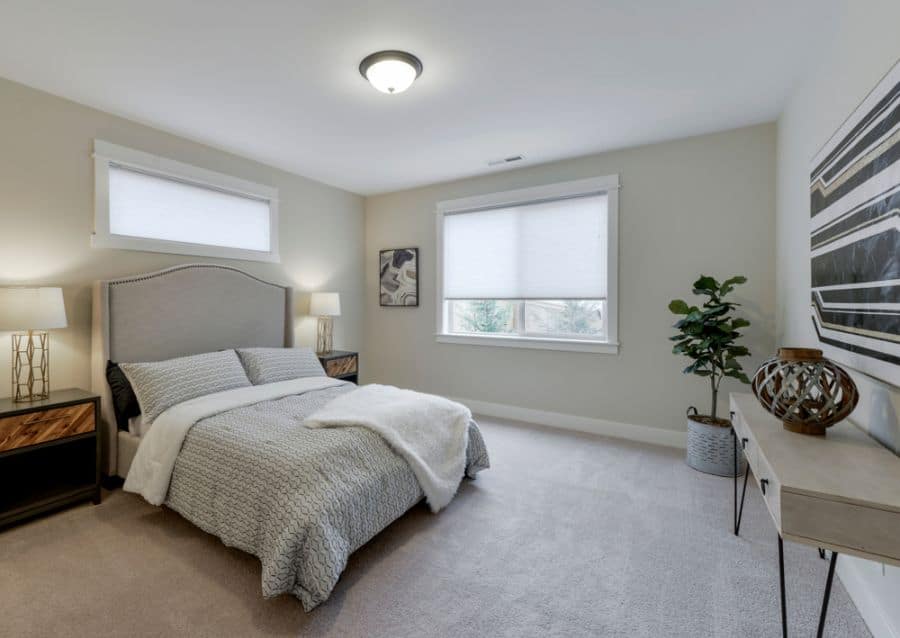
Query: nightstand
{"x":341,"y":364}
{"x":49,"y":454}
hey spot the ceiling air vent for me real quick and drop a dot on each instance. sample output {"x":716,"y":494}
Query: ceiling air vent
{"x":506,"y":160}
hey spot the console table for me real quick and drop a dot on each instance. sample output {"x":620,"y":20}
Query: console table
{"x":836,"y":492}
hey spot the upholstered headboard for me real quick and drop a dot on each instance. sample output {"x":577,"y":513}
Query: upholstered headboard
{"x":179,"y":311}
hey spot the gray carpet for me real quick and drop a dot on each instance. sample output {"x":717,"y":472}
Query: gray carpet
{"x":567,"y":535}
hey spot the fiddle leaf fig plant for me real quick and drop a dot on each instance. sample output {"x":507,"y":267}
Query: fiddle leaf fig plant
{"x":708,"y":334}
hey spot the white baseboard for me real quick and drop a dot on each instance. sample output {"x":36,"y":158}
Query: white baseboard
{"x":642,"y":433}
{"x":859,"y":586}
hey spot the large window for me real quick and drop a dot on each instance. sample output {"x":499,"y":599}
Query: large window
{"x":144,"y":202}
{"x":530,"y":268}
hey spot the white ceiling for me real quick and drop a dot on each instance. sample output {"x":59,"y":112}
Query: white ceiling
{"x":277,"y":81}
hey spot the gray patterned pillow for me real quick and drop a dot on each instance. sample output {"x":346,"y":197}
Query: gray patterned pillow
{"x":268,"y":365}
{"x":159,"y":385}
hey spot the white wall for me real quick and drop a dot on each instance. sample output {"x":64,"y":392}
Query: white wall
{"x":850,"y":66}
{"x":698,"y":205}
{"x":47,"y":212}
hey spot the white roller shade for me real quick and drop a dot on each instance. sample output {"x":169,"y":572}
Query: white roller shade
{"x":151,"y":207}
{"x":546,"y":250}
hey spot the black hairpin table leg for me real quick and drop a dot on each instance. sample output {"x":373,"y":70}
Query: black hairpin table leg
{"x":827,"y":594}
{"x":784,"y":631}
{"x":825,"y":598}
{"x":734,"y":441}
{"x":738,"y":511}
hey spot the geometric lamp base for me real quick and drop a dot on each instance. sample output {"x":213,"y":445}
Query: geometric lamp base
{"x":323,"y":335}
{"x":30,"y":365}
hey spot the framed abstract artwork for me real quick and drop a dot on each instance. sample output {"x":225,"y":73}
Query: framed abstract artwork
{"x":854,"y":193}
{"x":398,"y":277}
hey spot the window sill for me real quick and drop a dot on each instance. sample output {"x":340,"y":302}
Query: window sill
{"x":122,"y":242}
{"x":535,"y":343}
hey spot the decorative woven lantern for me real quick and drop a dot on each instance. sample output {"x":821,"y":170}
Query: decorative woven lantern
{"x":806,"y":391}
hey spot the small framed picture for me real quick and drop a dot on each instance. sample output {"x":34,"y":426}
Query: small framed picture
{"x":398,"y":277}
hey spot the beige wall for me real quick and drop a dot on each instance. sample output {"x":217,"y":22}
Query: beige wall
{"x":865,"y":49}
{"x":47,"y":209}
{"x":699,"y":205}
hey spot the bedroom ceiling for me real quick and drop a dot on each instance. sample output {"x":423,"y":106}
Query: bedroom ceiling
{"x":279,"y":81}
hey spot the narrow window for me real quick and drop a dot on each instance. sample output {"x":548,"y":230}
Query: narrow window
{"x":149,"y":203}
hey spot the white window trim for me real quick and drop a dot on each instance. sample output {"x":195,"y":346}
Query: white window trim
{"x":534,"y":343}
{"x":106,"y":153}
{"x":608,"y":184}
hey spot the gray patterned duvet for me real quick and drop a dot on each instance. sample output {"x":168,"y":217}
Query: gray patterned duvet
{"x":302,"y":500}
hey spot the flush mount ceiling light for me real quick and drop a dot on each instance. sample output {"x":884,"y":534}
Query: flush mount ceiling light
{"x":391,"y":71}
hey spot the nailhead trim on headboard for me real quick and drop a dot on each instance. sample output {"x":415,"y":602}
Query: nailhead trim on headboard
{"x":166,"y":271}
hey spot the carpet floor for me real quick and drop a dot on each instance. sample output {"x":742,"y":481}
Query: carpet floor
{"x":566,"y":535}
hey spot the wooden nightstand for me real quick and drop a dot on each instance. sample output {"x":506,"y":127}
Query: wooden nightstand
{"x":341,"y":364}
{"x":49,"y":454}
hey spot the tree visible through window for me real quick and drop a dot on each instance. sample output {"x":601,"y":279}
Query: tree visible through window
{"x":571,"y":318}
{"x":487,"y":315}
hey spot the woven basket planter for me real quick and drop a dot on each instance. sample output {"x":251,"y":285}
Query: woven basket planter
{"x":806,"y":391}
{"x":710,"y":447}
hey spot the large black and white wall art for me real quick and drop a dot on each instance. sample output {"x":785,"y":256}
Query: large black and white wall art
{"x":855,"y":236}
{"x":399,"y":277}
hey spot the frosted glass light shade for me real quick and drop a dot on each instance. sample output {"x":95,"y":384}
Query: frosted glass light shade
{"x":391,"y":71}
{"x":32,"y":309}
{"x":153,"y":207}
{"x":546,"y":250}
{"x":325,"y":304}
{"x":391,"y":76}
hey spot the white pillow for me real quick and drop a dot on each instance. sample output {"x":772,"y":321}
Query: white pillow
{"x":269,"y":365}
{"x":158,"y":385}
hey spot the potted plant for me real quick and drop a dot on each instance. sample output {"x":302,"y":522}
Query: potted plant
{"x":708,"y":335}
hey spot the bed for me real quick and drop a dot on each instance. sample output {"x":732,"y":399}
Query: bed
{"x":300,"y":499}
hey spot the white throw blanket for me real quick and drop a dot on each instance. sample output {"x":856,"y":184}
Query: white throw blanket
{"x":430,"y":432}
{"x":151,"y":469}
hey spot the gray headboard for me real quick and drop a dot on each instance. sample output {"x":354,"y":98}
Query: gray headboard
{"x":179,"y":311}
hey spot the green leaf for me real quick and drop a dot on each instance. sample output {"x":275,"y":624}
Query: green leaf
{"x":715,"y":310}
{"x":739,"y":322}
{"x":739,"y":279}
{"x":679,"y":307}
{"x":729,"y":284}
{"x":737,"y":374}
{"x":707,"y":284}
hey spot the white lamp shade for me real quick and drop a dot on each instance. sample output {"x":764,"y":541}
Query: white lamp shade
{"x":32,"y":309}
{"x":324,"y":304}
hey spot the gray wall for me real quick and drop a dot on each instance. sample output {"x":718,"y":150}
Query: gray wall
{"x":698,"y":205}
{"x":47,"y":212}
{"x":865,"y":49}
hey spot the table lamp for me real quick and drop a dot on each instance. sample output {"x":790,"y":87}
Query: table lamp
{"x":31,"y":312}
{"x":325,"y":305}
